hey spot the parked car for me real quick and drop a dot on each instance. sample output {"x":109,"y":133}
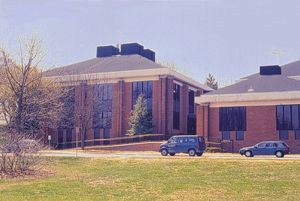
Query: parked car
{"x":191,"y":144}
{"x":277,"y":148}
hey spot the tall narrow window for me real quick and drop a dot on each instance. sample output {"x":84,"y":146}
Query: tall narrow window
{"x":191,"y":102}
{"x":176,"y":106}
{"x":96,"y":135}
{"x":102,"y":107}
{"x":145,"y":88}
{"x":69,"y":137}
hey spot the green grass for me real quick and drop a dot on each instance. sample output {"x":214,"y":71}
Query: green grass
{"x":159,"y":179}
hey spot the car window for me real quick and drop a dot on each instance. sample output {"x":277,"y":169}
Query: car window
{"x":275,"y":145}
{"x":261,"y":145}
{"x":182,"y":140}
{"x":172,"y":140}
{"x":192,"y":140}
{"x":270,"y":145}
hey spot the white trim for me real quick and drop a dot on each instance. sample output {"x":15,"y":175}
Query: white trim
{"x":131,"y":75}
{"x":192,"y":89}
{"x":263,"y":98}
{"x":176,"y":82}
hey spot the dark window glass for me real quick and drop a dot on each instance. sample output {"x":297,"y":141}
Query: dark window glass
{"x":96,"y":136}
{"x":192,"y":140}
{"x":106,"y":135}
{"x":69,"y":134}
{"x":225,"y":135}
{"x":287,"y":117}
{"x":279,"y":117}
{"x":232,"y":119}
{"x":240,"y":135}
{"x":96,"y":133}
{"x":191,"y":102}
{"x":261,"y":145}
{"x":60,"y":132}
{"x":297,"y":134}
{"x":102,"y":107}
{"x":69,"y":137}
{"x":68,"y":108}
{"x":295,"y":117}
{"x":144,"y":88}
{"x":283,"y":134}
{"x":176,"y":106}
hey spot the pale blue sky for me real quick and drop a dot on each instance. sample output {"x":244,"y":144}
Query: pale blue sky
{"x":227,"y":38}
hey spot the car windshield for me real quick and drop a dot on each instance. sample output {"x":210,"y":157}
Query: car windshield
{"x":172,"y":140}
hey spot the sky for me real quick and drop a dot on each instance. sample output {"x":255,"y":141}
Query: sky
{"x":227,"y":38}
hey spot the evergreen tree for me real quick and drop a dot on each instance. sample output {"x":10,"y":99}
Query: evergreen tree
{"x":140,"y":121}
{"x":211,"y":82}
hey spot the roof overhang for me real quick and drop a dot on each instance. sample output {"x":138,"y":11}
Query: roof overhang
{"x":127,"y":76}
{"x":250,"y":99}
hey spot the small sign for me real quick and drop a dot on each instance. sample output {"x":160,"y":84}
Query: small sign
{"x":49,"y":137}
{"x":77,"y":129}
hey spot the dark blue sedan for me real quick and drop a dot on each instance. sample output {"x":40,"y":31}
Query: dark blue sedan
{"x":277,"y":148}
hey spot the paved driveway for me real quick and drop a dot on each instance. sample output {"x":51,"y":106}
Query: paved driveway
{"x":157,"y":155}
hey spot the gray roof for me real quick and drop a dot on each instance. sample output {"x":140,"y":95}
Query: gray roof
{"x":265,"y":83}
{"x":106,"y":64}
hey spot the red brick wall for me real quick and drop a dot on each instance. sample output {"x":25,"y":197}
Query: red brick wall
{"x":121,"y":108}
{"x":261,"y":125}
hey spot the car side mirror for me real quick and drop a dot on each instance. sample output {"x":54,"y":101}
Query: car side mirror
{"x":255,"y":147}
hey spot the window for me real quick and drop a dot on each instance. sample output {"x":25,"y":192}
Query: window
{"x":176,"y":106}
{"x":191,"y":102}
{"x":225,"y":135}
{"x":172,"y":140}
{"x":145,"y":88}
{"x":297,"y":134}
{"x":69,"y":137}
{"x":182,"y":140}
{"x":232,"y":119}
{"x":192,"y":140}
{"x":96,"y":135}
{"x":102,"y":107}
{"x":283,"y":134}
{"x":106,"y":135}
{"x":261,"y":145}
{"x":240,"y":135}
{"x":60,"y":132}
{"x":287,"y":117}
{"x":68,"y":107}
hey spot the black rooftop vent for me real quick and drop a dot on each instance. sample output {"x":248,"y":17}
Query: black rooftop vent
{"x":270,"y":70}
{"x":149,"y":54}
{"x":131,"y":48}
{"x":107,"y":51}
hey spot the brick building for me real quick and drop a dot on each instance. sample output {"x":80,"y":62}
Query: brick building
{"x":110,"y":84}
{"x":262,"y":106}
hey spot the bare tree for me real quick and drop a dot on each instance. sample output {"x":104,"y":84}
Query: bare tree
{"x":211,"y":82}
{"x":28,"y":101}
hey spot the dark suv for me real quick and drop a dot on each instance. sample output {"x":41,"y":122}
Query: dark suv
{"x":191,"y":144}
{"x":277,"y":148}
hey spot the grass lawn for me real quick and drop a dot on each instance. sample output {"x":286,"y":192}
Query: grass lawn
{"x":159,"y":179}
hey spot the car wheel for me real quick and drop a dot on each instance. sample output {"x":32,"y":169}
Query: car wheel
{"x":199,"y":154}
{"x":279,"y":154}
{"x":192,"y":152}
{"x":164,"y":152}
{"x":248,"y":154}
{"x":172,"y":154}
